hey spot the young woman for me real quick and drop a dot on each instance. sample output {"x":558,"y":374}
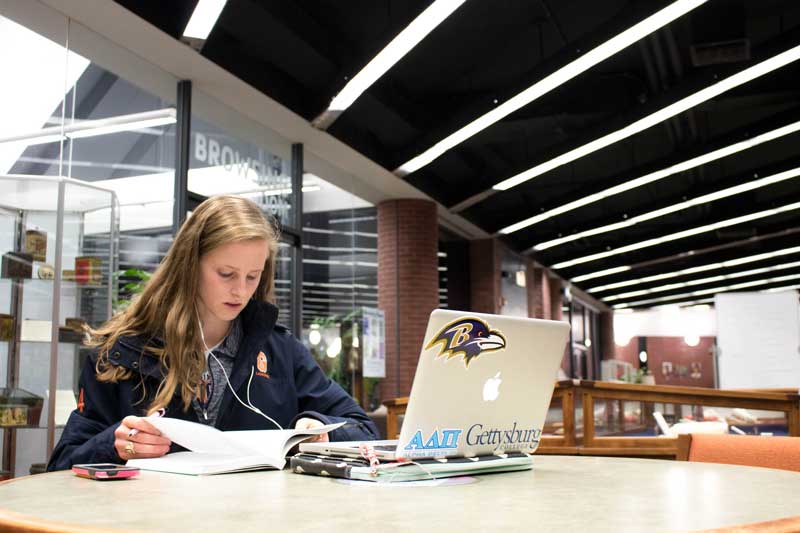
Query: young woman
{"x":201,"y":343}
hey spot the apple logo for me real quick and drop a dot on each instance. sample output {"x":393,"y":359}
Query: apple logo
{"x":491,"y":389}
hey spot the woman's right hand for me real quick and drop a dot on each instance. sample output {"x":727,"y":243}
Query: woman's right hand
{"x":136,"y":438}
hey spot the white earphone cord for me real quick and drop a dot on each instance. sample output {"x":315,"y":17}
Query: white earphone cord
{"x":247,"y":405}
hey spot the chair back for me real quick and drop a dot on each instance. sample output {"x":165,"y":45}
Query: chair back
{"x":770,"y":452}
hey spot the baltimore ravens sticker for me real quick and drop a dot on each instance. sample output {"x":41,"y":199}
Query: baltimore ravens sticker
{"x":467,"y":337}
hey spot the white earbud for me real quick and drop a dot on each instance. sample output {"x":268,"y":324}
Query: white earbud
{"x":247,"y":405}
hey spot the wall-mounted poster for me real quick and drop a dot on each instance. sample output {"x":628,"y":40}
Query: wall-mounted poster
{"x":374,"y":343}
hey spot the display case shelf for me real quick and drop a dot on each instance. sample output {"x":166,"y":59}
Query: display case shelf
{"x":57,"y":426}
{"x":65,"y":284}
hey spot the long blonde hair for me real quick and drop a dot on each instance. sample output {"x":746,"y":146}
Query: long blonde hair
{"x":166,"y":308}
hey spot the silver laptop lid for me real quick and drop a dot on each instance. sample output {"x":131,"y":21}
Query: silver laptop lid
{"x":483,"y":385}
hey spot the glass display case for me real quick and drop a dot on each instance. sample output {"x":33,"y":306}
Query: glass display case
{"x":59,"y":246}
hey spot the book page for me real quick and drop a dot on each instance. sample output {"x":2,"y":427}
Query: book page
{"x":272,"y":442}
{"x":194,"y":463}
{"x":206,"y":439}
{"x":191,"y":435}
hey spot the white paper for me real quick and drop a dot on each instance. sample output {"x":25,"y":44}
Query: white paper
{"x":65,"y":404}
{"x":206,"y":439}
{"x":194,"y":463}
{"x":36,"y":330}
{"x":373,"y":345}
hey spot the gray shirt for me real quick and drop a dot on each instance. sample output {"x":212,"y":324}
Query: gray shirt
{"x":213,"y":381}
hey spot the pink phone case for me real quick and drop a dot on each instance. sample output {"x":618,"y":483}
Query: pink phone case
{"x":123,"y":473}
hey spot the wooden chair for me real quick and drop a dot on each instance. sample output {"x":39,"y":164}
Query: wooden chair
{"x":785,"y":401}
{"x":770,"y":452}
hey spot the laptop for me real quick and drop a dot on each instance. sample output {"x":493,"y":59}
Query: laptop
{"x":483,"y":386}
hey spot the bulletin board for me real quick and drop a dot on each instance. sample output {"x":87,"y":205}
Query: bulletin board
{"x":758,"y":336}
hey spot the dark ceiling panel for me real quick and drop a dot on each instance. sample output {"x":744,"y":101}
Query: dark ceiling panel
{"x":302,"y":53}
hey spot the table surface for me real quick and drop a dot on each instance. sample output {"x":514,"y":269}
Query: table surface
{"x":566,"y":493}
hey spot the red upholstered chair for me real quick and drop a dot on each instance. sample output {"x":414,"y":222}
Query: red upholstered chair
{"x":769,"y":452}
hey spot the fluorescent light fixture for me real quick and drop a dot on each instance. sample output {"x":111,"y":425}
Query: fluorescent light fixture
{"x":679,"y":235}
{"x":692,"y":270}
{"x":601,"y":273}
{"x":554,"y":80}
{"x":704,"y":292}
{"x":39,"y":139}
{"x":655,"y":176}
{"x":700,"y":200}
{"x":702,"y":281}
{"x":782,"y":289}
{"x":116,"y":128}
{"x":204,"y":18}
{"x":407,"y":39}
{"x":659,"y":116}
{"x":91,"y":128}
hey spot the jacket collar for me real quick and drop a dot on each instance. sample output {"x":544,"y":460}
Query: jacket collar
{"x":258,"y":321}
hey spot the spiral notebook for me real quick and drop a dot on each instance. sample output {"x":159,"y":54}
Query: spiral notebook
{"x":421,"y":469}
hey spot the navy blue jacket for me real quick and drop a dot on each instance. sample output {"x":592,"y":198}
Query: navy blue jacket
{"x":292,"y":387}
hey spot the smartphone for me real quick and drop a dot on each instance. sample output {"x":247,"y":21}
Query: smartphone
{"x":105,"y":471}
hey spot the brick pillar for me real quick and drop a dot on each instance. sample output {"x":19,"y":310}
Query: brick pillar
{"x":408,"y":285}
{"x":538,"y":292}
{"x":556,"y":298}
{"x":485,"y":284}
{"x":530,"y":286}
{"x":607,"y":346}
{"x":554,"y":302}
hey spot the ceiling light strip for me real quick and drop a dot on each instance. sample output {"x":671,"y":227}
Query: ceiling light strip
{"x":89,"y":128}
{"x":689,"y":253}
{"x":716,"y":290}
{"x":702,"y":281}
{"x":407,"y":39}
{"x":679,"y":235}
{"x":782,"y":289}
{"x":693,"y":270}
{"x":116,"y":128}
{"x":204,"y":18}
{"x":601,"y":273}
{"x":655,"y":176}
{"x":554,"y":80}
{"x":700,"y":200}
{"x":740,"y":78}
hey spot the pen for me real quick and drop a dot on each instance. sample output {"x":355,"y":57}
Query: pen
{"x":158,"y":413}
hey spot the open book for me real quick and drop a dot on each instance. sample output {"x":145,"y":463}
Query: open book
{"x":215,"y":452}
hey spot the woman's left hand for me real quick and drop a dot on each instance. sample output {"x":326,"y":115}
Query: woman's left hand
{"x":310,"y":423}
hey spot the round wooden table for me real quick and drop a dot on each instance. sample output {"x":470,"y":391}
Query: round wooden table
{"x":561,"y":493}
